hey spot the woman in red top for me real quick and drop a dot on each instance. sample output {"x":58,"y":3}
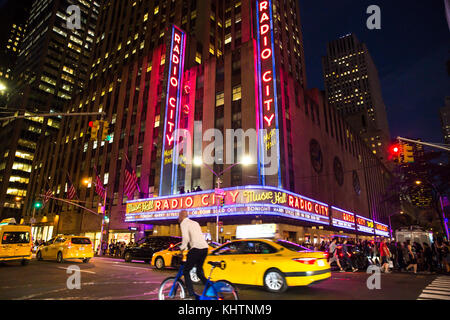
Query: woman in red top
{"x":385,"y":255}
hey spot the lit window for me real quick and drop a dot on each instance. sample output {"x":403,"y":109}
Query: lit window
{"x":220,"y":99}
{"x":237,"y":93}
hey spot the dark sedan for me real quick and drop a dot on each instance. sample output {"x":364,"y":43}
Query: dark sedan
{"x":145,"y":249}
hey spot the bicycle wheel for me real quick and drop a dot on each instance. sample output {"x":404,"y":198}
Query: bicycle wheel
{"x":225,"y":290}
{"x":178,"y":293}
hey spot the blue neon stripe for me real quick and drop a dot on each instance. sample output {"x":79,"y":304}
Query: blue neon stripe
{"x":177,"y":111}
{"x":165,"y":117}
{"x":275,"y":96}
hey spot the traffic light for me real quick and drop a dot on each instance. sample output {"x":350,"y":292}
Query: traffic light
{"x":37,"y":205}
{"x":105,"y":131}
{"x":222,"y":201}
{"x":395,"y":152}
{"x":95,"y":126}
{"x":408,"y":153}
{"x":106,"y":219}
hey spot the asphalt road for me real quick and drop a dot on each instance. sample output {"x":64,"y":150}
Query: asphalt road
{"x":113,"y":279}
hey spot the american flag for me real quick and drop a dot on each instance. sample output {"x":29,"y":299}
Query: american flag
{"x":71,"y":193}
{"x":99,"y":186}
{"x":47,"y":195}
{"x":130,"y":180}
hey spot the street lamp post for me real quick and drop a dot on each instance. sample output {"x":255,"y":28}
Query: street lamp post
{"x":86,"y":182}
{"x":199,"y":162}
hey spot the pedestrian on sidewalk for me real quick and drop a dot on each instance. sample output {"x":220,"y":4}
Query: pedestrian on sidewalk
{"x":412,"y":257}
{"x":334,"y":255}
{"x":385,"y":255}
{"x":428,"y":258}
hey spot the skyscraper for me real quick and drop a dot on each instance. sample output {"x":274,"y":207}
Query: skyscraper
{"x":51,"y":67}
{"x":199,"y":65}
{"x":352,"y":87}
{"x":444,"y":114}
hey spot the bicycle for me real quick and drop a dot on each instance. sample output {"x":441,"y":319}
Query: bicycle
{"x":174,"y":288}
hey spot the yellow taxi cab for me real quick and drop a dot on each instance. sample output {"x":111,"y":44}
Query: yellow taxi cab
{"x":170,"y":257}
{"x":66,"y":247}
{"x":16,"y":242}
{"x":274,"y":264}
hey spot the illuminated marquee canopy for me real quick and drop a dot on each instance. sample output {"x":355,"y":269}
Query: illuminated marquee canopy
{"x":342,"y":219}
{"x":267,"y":108}
{"x":249,"y":200}
{"x":381,"y":229}
{"x":364,"y":224}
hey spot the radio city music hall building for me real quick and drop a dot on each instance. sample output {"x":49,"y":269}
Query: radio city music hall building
{"x":200,"y":65}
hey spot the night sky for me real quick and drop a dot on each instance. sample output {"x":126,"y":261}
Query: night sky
{"x":410,"y":52}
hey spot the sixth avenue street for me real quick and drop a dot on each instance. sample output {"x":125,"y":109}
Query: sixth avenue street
{"x":106,"y":278}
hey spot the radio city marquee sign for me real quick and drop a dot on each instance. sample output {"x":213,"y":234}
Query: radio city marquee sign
{"x":364,"y":224}
{"x":254,"y":200}
{"x":342,"y":219}
{"x":381,"y":229}
{"x":267,"y":106}
{"x":175,"y":59}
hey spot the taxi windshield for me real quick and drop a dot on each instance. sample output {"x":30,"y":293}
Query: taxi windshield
{"x":292,"y":246}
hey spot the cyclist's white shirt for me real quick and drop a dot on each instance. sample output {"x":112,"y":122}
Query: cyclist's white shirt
{"x":192,"y":234}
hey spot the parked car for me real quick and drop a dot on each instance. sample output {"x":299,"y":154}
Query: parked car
{"x":144,"y":249}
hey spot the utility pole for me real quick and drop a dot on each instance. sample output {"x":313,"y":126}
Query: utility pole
{"x":445,"y":147}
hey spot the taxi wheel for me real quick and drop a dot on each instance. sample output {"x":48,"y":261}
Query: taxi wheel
{"x":274,"y":281}
{"x":86,"y":260}
{"x":59,"y":257}
{"x":39,"y":256}
{"x":127,"y":257}
{"x":159,"y":263}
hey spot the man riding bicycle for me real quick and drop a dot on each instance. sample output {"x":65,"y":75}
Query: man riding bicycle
{"x":193,"y":237}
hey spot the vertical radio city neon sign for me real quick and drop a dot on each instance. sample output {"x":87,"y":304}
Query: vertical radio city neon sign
{"x":267,"y":102}
{"x":172,"y":111}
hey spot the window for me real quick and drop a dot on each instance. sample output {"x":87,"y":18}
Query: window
{"x":237,"y":93}
{"x":220,"y":99}
{"x":257,"y":247}
{"x":15,"y":237}
{"x":232,"y":248}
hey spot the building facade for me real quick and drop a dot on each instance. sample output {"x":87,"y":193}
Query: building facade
{"x":352,"y":87}
{"x":50,"y":69}
{"x":202,"y":65}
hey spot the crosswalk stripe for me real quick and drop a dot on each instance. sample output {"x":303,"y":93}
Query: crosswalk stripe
{"x":434,"y":296}
{"x":436,"y":291}
{"x":438,"y":287}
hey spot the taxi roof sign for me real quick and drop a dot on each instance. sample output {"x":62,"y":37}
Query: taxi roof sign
{"x":8,"y":221}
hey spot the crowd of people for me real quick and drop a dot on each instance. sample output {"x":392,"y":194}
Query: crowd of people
{"x":115,"y":248}
{"x":390,"y":256}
